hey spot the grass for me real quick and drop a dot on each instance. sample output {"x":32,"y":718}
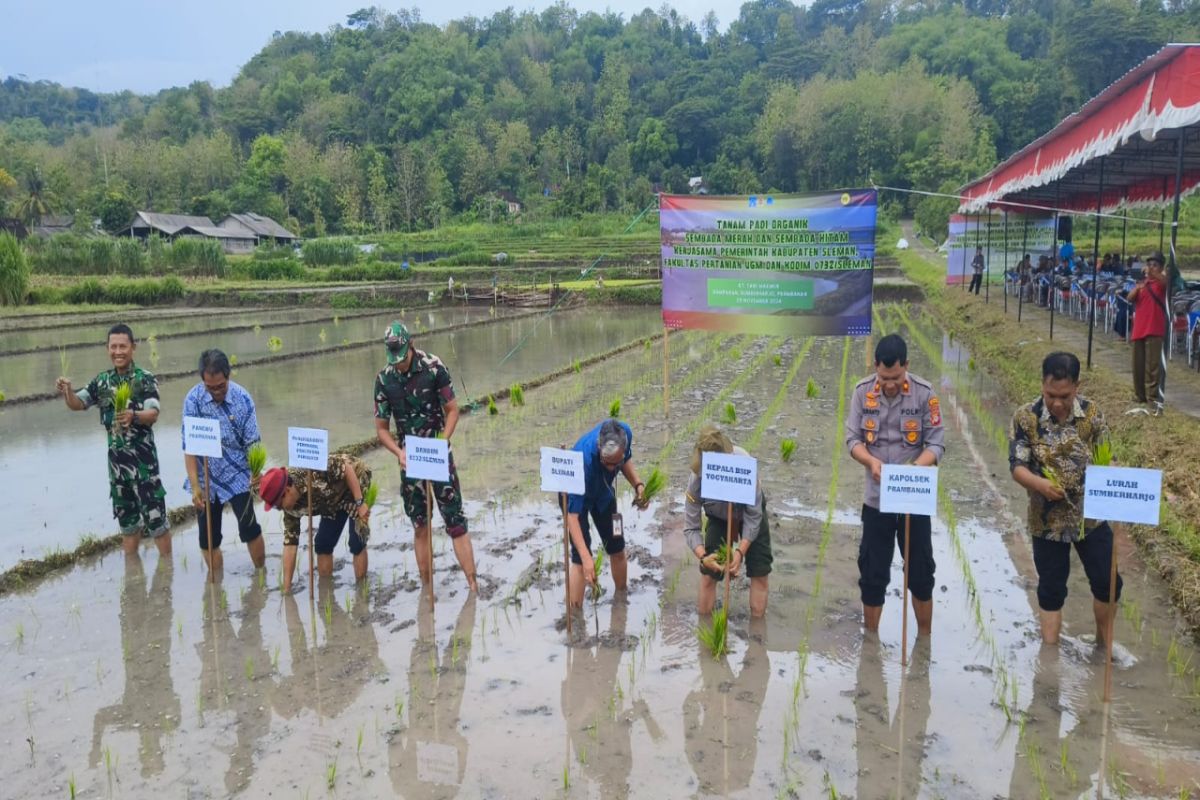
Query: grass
{"x":729,"y":414}
{"x":713,"y":635}
{"x":371,"y":495}
{"x":516,"y":395}
{"x":811,"y":390}
{"x":257,"y":456}
{"x":614,"y":408}
{"x":787,"y":448}
{"x":656,"y":481}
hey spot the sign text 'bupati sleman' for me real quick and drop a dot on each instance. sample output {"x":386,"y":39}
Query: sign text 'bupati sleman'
{"x":562,"y":471}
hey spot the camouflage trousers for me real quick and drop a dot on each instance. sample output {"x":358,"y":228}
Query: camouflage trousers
{"x":138,"y":497}
{"x":448,"y":497}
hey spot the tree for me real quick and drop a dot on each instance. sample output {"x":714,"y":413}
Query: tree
{"x":37,"y":199}
{"x":115,"y":211}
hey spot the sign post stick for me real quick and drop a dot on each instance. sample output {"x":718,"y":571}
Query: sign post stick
{"x":666,"y":372}
{"x":429,"y":521}
{"x":904,"y":605}
{"x":567,"y":562}
{"x":311,"y":572}
{"x":212,"y":574}
{"x":1112,"y":621}
{"x":729,"y":553}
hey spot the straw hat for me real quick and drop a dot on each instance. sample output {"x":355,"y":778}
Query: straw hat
{"x":711,"y":440}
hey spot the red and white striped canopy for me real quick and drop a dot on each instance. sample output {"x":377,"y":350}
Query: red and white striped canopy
{"x":1134,"y":125}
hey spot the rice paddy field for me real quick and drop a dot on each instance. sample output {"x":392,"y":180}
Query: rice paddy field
{"x":136,"y":678}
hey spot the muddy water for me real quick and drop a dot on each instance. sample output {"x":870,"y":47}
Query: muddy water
{"x":35,"y":373}
{"x":137,"y":680}
{"x":46,"y":447}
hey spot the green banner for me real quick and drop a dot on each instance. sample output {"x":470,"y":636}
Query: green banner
{"x":768,"y":294}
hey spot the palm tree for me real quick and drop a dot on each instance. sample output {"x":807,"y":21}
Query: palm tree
{"x":37,"y":201}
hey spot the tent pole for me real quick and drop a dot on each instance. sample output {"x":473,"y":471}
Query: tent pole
{"x":1172,"y":271}
{"x":1005,"y":265}
{"x":1052,"y":289}
{"x":1095,"y":264}
{"x":1162,"y":217}
{"x":987,"y":265}
{"x":1024,"y":250}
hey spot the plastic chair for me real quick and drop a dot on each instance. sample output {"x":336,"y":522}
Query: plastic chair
{"x":1193,"y":322}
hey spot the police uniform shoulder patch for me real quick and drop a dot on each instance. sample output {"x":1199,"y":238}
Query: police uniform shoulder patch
{"x":935,"y":412}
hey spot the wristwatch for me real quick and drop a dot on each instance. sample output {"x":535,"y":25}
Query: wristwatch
{"x":358,"y":503}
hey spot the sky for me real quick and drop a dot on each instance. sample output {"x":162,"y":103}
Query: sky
{"x":146,"y":46}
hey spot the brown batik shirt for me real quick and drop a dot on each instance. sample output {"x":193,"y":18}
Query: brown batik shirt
{"x":330,"y":496}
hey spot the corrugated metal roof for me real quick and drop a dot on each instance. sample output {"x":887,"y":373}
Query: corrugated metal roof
{"x":214,"y":232}
{"x":258,"y":225}
{"x":170,"y":223}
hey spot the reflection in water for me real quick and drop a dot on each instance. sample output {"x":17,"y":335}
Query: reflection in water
{"x":149,"y":704}
{"x":890,"y":751}
{"x":235,"y":675}
{"x":329,"y":677}
{"x":598,"y":728}
{"x":720,"y":719}
{"x":428,"y":758}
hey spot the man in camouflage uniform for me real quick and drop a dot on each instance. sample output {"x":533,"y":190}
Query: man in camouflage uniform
{"x":415,"y":390}
{"x":1050,"y":447}
{"x":894,"y":419}
{"x":337,"y":497}
{"x":136,"y":490}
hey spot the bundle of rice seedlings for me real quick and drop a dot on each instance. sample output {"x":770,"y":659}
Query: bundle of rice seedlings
{"x":614,"y":408}
{"x":577,"y":366}
{"x":599,"y":567}
{"x":492,"y":410}
{"x":1102,"y":454}
{"x":713,"y":636}
{"x":257,"y":456}
{"x":233,"y":360}
{"x":811,"y":390}
{"x":787,"y":448}
{"x":371,"y":495}
{"x":64,"y":362}
{"x":656,"y":481}
{"x":322,"y":335}
{"x":778,"y":359}
{"x":274,"y":344}
{"x":1052,"y":476}
{"x":121,"y":398}
{"x":729,"y":414}
{"x":516,"y":395}
{"x":2,"y":397}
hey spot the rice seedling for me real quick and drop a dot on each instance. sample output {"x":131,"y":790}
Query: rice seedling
{"x":249,"y":668}
{"x":179,"y":627}
{"x":1064,"y":763}
{"x":328,"y":611}
{"x":331,"y":774}
{"x":371,"y":495}
{"x":729,"y":414}
{"x":516,"y":395}
{"x":656,"y":481}
{"x":614,"y":408}
{"x":778,"y":359}
{"x":274,"y":344}
{"x":787,"y":448}
{"x":712,"y":635}
{"x":566,"y":777}
{"x":322,"y":335}
{"x":358,"y":746}
{"x":64,"y":362}
{"x":257,"y":456}
{"x":233,"y":359}
{"x":121,"y":398}
{"x":492,"y":410}
{"x":71,"y":786}
{"x":20,"y":632}
{"x":275,"y":659}
{"x":1051,"y":475}
{"x":337,"y":320}
{"x":399,"y":706}
{"x":971,"y":363}
{"x":257,"y":328}
{"x":3,"y":397}
{"x":830,"y":790}
{"x":735,"y":353}
{"x":598,"y":568}
{"x":811,"y":390}
{"x":577,"y":366}
{"x":1102,"y":454}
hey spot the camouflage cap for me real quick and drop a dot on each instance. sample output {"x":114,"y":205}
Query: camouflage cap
{"x":396,"y":338}
{"x":711,"y":440}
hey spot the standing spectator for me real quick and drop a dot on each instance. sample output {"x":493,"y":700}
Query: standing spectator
{"x":1149,"y":300}
{"x":136,"y":490}
{"x":976,"y":271}
{"x":216,"y":397}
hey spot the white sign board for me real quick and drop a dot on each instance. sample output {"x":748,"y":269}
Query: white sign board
{"x":308,"y":448}
{"x":562,"y":471}
{"x":1122,"y":494}
{"x":427,"y":459}
{"x":908,"y":490}
{"x":202,"y":437}
{"x":728,"y":478}
{"x":437,"y":763}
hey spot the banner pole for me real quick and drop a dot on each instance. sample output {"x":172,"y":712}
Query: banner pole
{"x":429,"y":522}
{"x":728,"y":556}
{"x":1112,"y":620}
{"x":987,"y":265}
{"x":567,"y":562}
{"x":666,"y":372}
{"x":311,"y":571}
{"x":1004,"y":269}
{"x":904,"y":605}
{"x":212,"y":574}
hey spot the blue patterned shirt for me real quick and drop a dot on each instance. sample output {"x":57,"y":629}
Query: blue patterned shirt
{"x":599,"y":492}
{"x":230,"y":474}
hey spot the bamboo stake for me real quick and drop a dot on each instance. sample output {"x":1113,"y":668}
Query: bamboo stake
{"x":728,"y":558}
{"x":666,"y":372}
{"x":1112,"y":620}
{"x":311,"y":570}
{"x":429,"y":522}
{"x":904,"y":605}
{"x":212,"y":574}
{"x":566,"y":565}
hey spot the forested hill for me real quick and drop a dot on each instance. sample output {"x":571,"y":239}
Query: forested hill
{"x":386,"y":122}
